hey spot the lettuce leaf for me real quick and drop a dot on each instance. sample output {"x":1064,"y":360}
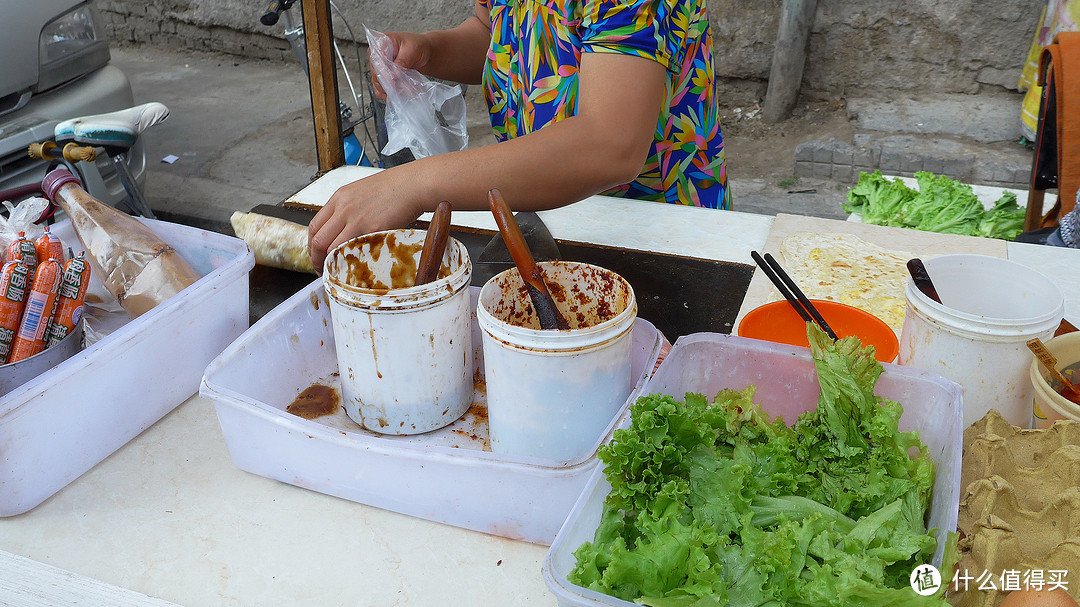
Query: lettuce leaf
{"x":714,"y":502}
{"x":945,"y":206}
{"x":938,"y":205}
{"x":879,"y":200}
{"x":1004,"y":220}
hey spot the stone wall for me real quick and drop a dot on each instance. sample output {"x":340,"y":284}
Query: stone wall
{"x":868,"y":47}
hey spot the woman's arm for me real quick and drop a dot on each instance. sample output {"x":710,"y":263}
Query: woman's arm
{"x":604,"y":145}
{"x":458,"y":54}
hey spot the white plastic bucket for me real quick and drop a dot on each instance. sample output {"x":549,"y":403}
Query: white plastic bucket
{"x":551,"y":393}
{"x":1048,"y":406}
{"x":992,"y":307}
{"x":404,"y":351}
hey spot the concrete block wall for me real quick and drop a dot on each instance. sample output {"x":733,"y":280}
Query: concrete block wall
{"x":864,"y":48}
{"x":842,"y":161}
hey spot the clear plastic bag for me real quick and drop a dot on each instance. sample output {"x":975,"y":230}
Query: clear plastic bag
{"x":21,"y":218}
{"x":424,"y":115}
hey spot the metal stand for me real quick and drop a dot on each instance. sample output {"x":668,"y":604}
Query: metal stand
{"x":135,"y":197}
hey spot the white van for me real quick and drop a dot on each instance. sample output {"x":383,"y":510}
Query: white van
{"x":55,"y":66}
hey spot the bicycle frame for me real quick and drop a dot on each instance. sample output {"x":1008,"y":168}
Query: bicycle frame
{"x":355,"y":149}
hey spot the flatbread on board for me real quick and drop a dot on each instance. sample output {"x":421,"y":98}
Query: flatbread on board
{"x":845,"y":268}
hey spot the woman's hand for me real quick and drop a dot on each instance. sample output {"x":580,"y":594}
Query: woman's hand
{"x":604,"y":145}
{"x":383,"y":201}
{"x":411,"y":51}
{"x":455,"y":54}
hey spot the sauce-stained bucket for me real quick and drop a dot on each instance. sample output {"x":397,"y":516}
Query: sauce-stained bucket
{"x":404,"y":351}
{"x":1048,"y":405}
{"x":978,"y":338}
{"x":551,"y":393}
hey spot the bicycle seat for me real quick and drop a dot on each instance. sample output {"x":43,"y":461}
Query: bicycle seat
{"x":114,"y":129}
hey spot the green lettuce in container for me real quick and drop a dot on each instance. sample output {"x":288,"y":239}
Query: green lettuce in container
{"x":715,"y":503}
{"x":939,"y":205}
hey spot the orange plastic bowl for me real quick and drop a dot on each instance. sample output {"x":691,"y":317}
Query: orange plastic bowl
{"x":779,"y":322}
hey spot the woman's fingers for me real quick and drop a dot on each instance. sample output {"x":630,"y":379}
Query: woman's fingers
{"x":380,"y":94}
{"x":381,"y":201}
{"x":323,"y":232}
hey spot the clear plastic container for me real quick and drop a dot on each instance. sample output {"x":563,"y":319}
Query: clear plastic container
{"x":60,"y":424}
{"x":445,"y":476}
{"x":787,"y":386}
{"x":133,"y":262}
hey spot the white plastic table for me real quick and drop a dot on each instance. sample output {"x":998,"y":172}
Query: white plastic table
{"x":168,"y":517}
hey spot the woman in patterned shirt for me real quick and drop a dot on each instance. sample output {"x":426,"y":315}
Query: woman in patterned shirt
{"x":585,"y":96}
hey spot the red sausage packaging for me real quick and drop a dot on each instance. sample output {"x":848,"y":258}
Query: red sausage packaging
{"x":40,"y":304}
{"x":69,"y":304}
{"x":14,"y":283}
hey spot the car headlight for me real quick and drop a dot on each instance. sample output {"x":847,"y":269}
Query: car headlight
{"x":70,"y":45}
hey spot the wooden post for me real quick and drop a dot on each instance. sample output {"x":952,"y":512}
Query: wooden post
{"x":789,"y":58}
{"x":322,"y":78}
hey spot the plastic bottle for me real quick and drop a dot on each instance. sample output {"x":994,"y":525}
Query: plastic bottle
{"x":139,"y":268}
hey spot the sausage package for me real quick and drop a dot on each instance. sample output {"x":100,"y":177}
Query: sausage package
{"x":14,"y":283}
{"x":139,"y":268}
{"x":48,"y":247}
{"x":38,"y":311}
{"x":69,"y":304}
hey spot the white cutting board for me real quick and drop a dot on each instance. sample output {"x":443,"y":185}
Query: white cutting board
{"x":919,"y":243}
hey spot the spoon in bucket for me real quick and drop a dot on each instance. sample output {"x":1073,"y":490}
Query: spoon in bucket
{"x":434,"y":245}
{"x":1068,"y":389}
{"x":549,"y":315}
{"x":921,"y":278}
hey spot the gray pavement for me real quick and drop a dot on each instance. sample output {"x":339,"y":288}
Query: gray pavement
{"x":243,"y":133}
{"x":242,"y":130}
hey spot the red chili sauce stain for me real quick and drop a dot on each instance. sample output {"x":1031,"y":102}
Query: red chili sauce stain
{"x":315,"y":401}
{"x":595,"y":296}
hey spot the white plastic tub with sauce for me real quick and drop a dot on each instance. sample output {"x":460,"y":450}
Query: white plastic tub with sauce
{"x":403,"y":349}
{"x":447,"y":475}
{"x":550,"y":391}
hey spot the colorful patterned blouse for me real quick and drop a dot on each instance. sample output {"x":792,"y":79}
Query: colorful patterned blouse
{"x":530,"y":80}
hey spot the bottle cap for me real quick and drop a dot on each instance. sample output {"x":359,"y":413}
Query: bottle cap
{"x":56,"y":179}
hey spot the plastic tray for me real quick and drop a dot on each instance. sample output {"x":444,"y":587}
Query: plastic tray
{"x":60,"y":424}
{"x":443,"y":476}
{"x":787,"y":385}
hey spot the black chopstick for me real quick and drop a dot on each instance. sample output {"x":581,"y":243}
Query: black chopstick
{"x":791,"y":291}
{"x":780,"y":286}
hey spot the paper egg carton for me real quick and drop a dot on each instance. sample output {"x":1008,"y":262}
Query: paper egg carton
{"x":1020,"y":509}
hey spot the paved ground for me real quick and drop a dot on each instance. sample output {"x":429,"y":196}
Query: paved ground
{"x":242,"y":131}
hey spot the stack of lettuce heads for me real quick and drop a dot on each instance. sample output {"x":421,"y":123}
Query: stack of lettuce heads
{"x":717,"y":504}
{"x":939,"y":205}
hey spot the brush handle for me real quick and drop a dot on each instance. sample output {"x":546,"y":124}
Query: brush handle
{"x":921,"y":278}
{"x":434,"y":244}
{"x":550,"y":318}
